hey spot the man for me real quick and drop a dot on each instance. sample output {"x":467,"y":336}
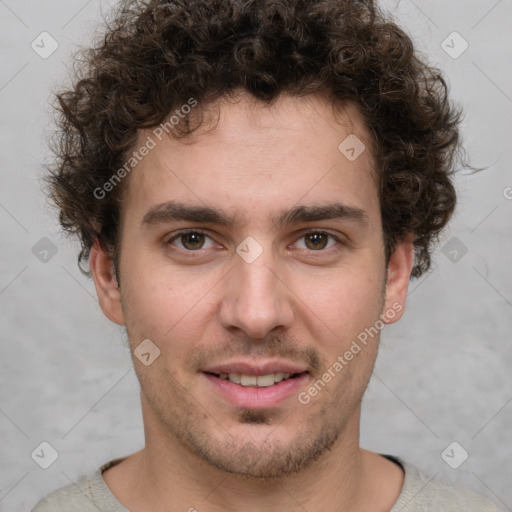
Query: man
{"x":253,"y":184}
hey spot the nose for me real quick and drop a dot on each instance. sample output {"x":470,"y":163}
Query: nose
{"x":256,"y":298}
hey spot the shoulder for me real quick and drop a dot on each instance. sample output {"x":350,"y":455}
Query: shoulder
{"x":422,"y":492}
{"x":89,"y":494}
{"x":68,"y":498}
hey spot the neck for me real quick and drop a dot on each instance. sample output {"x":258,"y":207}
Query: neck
{"x":345,"y":478}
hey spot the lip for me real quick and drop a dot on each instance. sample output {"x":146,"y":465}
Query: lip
{"x":253,"y":397}
{"x":255,"y":369}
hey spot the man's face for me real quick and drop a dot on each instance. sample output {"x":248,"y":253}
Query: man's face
{"x":224,"y":309}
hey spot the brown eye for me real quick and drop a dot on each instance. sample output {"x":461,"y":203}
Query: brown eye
{"x":316,"y":241}
{"x":319,"y":241}
{"x":191,"y":241}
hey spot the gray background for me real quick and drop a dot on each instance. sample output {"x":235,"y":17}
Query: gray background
{"x":443,"y":373}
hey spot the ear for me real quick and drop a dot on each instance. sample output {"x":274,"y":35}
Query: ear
{"x":397,"y":283}
{"x":107,"y":289}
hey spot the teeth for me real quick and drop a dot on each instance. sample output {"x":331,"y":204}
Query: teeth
{"x":248,"y":380}
{"x":261,"y":381}
{"x":234,"y":377}
{"x":264,"y":381}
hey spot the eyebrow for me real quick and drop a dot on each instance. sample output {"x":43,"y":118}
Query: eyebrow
{"x":172,"y":211}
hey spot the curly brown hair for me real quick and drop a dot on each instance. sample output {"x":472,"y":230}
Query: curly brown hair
{"x":157,"y":54}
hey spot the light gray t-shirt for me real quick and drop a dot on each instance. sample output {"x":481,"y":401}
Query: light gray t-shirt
{"x":420,"y":493}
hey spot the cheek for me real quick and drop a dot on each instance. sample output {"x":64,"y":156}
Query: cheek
{"x":164,"y":304}
{"x":343,"y":302}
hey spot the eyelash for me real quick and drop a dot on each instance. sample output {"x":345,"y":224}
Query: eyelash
{"x":310,"y":232}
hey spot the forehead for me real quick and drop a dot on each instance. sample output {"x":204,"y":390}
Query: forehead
{"x":251,"y":158}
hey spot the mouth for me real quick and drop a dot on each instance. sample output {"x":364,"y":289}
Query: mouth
{"x":250,"y":386}
{"x":256,"y":381}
